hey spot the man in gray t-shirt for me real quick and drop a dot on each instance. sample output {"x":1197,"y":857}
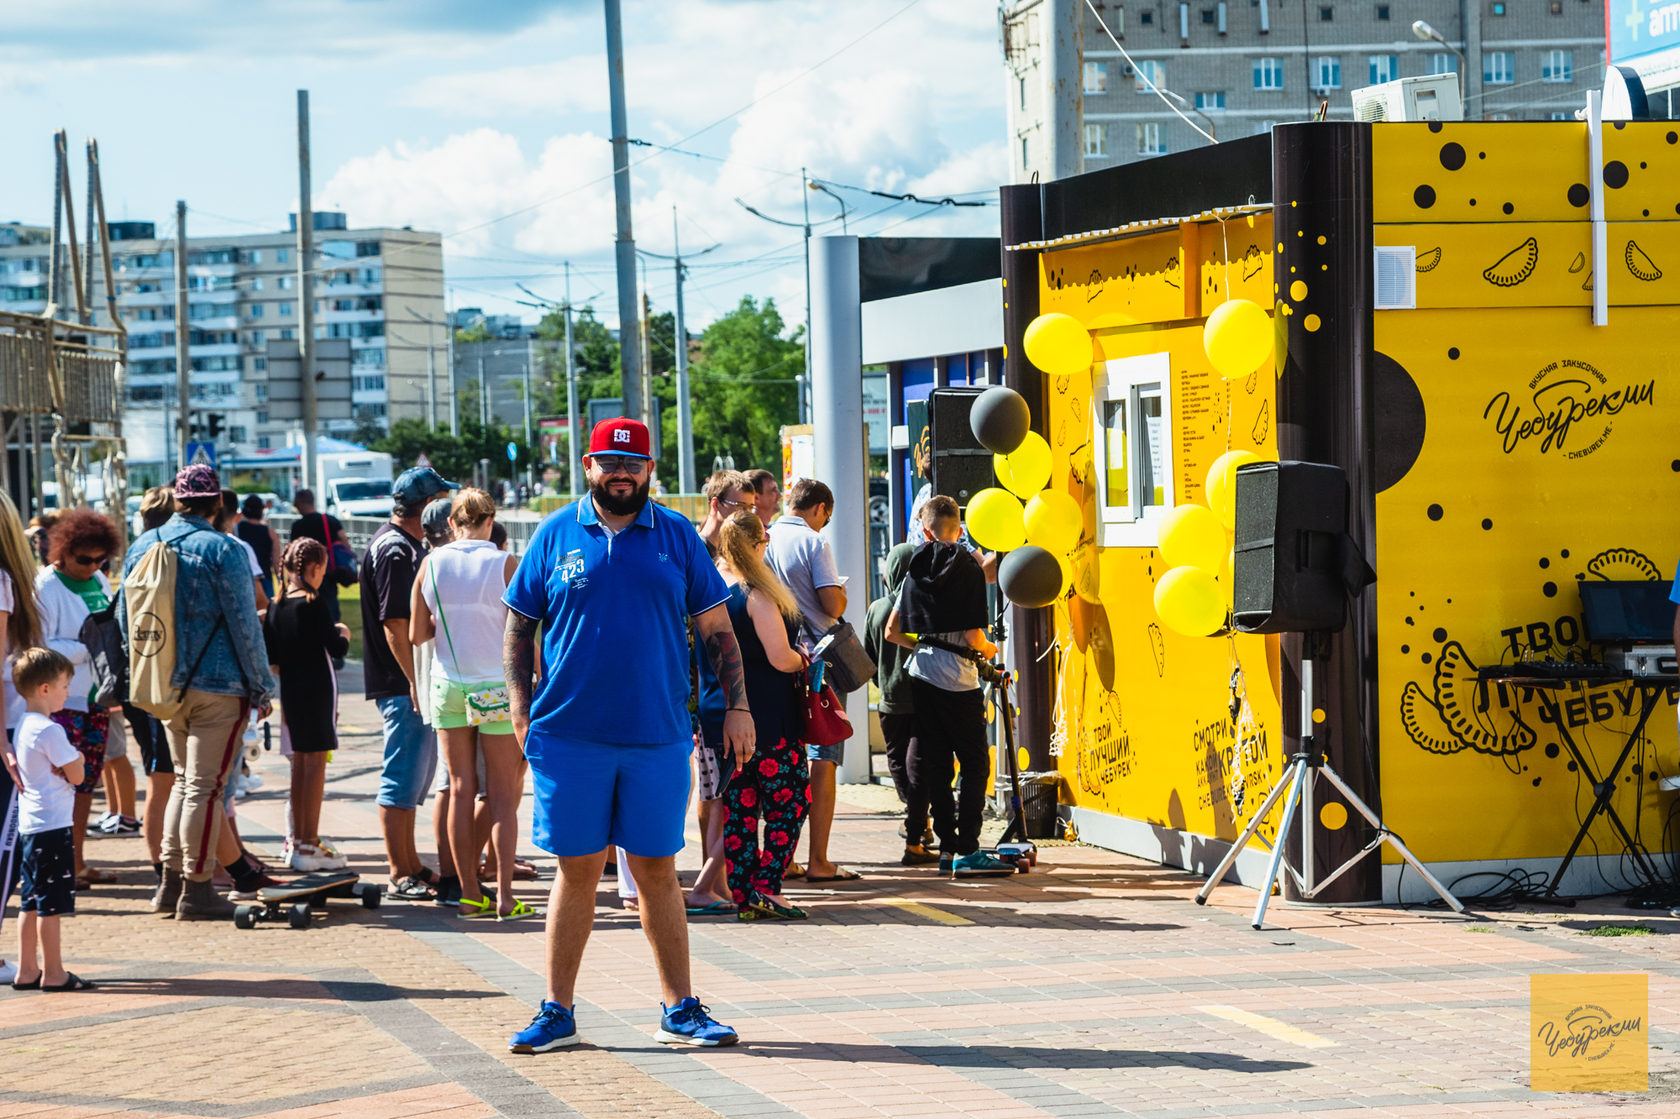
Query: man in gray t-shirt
{"x":803,"y":560}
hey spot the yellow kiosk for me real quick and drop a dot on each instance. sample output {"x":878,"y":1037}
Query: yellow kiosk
{"x":1433,"y":291}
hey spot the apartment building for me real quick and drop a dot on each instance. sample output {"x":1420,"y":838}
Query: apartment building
{"x":1238,"y":67}
{"x":243,"y":293}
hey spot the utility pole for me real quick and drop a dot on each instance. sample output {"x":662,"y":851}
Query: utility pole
{"x":449,"y":354}
{"x":1065,"y":86}
{"x":574,"y":422}
{"x":805,"y":374}
{"x":630,"y":360}
{"x":650,"y":414}
{"x":183,"y":361}
{"x":530,"y":449}
{"x":431,"y":379}
{"x":86,"y":302}
{"x":306,"y":294}
{"x":686,"y":482}
{"x":483,"y":392}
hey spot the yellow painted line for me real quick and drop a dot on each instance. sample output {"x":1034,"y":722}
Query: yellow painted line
{"x":927,"y":911}
{"x":1271,"y":1027}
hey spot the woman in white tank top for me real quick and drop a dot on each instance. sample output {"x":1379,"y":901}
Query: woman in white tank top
{"x":458,"y":600}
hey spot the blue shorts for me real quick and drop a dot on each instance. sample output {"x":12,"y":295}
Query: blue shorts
{"x":588,"y":797}
{"x":49,"y":873}
{"x":410,"y":760}
{"x":835,"y":753}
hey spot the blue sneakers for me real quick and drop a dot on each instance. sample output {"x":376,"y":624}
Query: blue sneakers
{"x":552,"y":1028}
{"x":979,"y":864}
{"x":687,"y":1023}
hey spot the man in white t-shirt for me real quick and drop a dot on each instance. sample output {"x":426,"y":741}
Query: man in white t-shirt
{"x":803,"y":560}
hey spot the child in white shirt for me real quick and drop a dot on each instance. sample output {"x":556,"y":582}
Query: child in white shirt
{"x":50,"y":769}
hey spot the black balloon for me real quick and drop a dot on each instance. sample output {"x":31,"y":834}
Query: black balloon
{"x":1000,"y":419}
{"x":1030,"y":577}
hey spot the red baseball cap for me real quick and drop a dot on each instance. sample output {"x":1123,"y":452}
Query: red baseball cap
{"x":620,"y":437}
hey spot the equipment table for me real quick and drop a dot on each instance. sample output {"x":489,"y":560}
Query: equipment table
{"x":1545,"y":684}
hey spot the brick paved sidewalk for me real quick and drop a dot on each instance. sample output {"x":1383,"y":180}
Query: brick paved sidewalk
{"x":1093,"y":986}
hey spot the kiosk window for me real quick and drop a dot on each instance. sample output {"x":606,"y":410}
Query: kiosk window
{"x":1133,"y":448}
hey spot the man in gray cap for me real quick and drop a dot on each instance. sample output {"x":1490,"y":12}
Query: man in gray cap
{"x":410,"y":761}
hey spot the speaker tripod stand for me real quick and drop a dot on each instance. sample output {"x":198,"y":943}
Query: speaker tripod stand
{"x":1298,"y":782}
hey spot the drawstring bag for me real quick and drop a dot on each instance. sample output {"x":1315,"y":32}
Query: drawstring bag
{"x":825,"y":714}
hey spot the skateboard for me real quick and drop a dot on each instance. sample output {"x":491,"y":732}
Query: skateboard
{"x":1024,"y":855}
{"x":297,"y":898}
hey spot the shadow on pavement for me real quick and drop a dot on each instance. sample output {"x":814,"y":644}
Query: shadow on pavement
{"x":350,"y":991}
{"x":1019,"y":1057}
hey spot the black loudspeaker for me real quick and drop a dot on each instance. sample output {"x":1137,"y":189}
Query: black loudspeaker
{"x":962,"y":466}
{"x":1289,"y":574}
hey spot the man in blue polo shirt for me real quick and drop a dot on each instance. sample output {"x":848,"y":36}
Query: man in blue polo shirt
{"x":612,"y":581}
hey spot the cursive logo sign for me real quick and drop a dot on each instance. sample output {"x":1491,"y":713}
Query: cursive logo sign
{"x":1562,"y":395}
{"x":1587,"y":1032}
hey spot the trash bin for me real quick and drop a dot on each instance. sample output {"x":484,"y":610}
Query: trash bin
{"x":1038,"y":803}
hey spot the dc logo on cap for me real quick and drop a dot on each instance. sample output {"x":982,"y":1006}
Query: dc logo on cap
{"x":622,"y":435}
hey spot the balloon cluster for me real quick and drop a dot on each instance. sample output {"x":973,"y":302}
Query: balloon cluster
{"x":1193,"y":597}
{"x":1038,"y":534}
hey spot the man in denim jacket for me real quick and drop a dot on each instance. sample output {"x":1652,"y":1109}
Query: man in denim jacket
{"x":217,"y":629}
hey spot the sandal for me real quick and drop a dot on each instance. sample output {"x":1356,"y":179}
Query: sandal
{"x":72,"y":982}
{"x":473,"y":910}
{"x":841,"y":874}
{"x":711,"y":909}
{"x":94,"y":875}
{"x":31,"y":985}
{"x":520,"y":909}
{"x":794,"y":870}
{"x":411,"y":888}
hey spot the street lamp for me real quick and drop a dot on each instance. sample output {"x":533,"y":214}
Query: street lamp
{"x":1428,"y":34}
{"x":1193,"y":109}
{"x":814,"y":185}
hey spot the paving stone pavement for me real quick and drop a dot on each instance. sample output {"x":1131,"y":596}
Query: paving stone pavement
{"x":1092,"y":986}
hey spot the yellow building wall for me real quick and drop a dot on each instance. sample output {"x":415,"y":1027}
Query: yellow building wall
{"x":1547,"y":451}
{"x":1145,"y":716}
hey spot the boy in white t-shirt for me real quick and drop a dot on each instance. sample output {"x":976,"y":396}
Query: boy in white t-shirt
{"x":50,"y":769}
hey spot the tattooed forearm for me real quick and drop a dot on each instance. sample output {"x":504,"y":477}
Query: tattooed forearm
{"x":725,"y":655}
{"x":519,"y":660}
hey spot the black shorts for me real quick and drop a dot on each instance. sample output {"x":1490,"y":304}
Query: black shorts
{"x":49,"y":873}
{"x":153,"y":742}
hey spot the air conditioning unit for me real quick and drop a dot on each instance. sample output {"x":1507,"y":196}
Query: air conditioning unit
{"x":1426,"y":97}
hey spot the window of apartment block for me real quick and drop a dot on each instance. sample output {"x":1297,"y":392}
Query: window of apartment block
{"x":1443,"y":63}
{"x":1326,"y":73}
{"x":1146,"y":18}
{"x":1268,"y":73}
{"x":1096,"y":140}
{"x":1558,"y":66}
{"x":287,"y":283}
{"x":1326,"y":14}
{"x":1150,"y":140}
{"x":282,"y":256}
{"x":1496,"y":9}
{"x":1382,"y":11}
{"x":1562,"y":116}
{"x":1499,"y":67}
{"x":1557,"y":7}
{"x":285,"y":310}
{"x":263,"y":443}
{"x":1208,"y":16}
{"x":1023,"y":152}
{"x":1206,"y":101}
{"x":1023,"y":84}
{"x":253,"y":256}
{"x":256,"y":283}
{"x":1096,"y":77}
{"x":1384,"y":68}
{"x":1497,"y":116}
{"x":288,"y":335}
{"x":236,"y":433}
{"x":1148,"y":72}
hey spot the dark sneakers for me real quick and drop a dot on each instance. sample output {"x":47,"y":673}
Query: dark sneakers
{"x":918,"y":856}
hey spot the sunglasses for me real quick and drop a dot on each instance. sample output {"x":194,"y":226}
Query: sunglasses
{"x":730,"y":504}
{"x":89,"y":561}
{"x":619,"y":464}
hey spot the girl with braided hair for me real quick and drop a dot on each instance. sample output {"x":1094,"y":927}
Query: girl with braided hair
{"x":302,"y":642}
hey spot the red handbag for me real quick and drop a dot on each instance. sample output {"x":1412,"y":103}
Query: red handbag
{"x":825,"y":716}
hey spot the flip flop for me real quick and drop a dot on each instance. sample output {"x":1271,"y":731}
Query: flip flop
{"x":714,"y":907}
{"x":32,"y":985}
{"x":520,"y":909}
{"x":794,"y":870}
{"x":844,"y":876}
{"x":410,"y":889}
{"x":95,"y":875}
{"x":72,"y":982}
{"x":483,"y":907}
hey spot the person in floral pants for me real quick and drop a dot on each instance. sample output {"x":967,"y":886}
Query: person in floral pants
{"x":775,"y":787}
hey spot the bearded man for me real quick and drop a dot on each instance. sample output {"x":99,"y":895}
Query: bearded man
{"x":612,"y":581}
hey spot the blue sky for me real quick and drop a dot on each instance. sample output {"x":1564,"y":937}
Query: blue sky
{"x":488,"y":122}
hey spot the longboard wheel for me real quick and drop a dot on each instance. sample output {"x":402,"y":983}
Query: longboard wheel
{"x":245,"y":917}
{"x":1032,"y":857}
{"x":370,"y":894}
{"x":298,"y":915}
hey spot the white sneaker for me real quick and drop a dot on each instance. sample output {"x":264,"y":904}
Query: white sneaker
{"x":251,"y":782}
{"x":335,"y":858}
{"x":307,"y":857}
{"x":8,"y":971}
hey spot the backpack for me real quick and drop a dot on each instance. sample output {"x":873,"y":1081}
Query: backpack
{"x":152,"y":652}
{"x":107,"y":655}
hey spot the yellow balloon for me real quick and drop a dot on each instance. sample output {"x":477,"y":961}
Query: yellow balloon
{"x":1058,"y":344}
{"x":1192,"y":537}
{"x":1222,"y":484}
{"x":1000,"y":467}
{"x":1238,"y":338}
{"x":1028,"y":467}
{"x":995,"y":520}
{"x":1054,"y":521}
{"x":1188,"y":601}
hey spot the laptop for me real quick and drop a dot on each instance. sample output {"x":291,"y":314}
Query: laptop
{"x":1627,"y":613}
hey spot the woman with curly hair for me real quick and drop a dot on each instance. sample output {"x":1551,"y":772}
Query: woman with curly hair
{"x":302,"y":642}
{"x":73,"y":587}
{"x":775,"y":786}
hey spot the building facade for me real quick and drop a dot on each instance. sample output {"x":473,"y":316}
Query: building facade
{"x":1237,"y":67}
{"x":242,"y":294}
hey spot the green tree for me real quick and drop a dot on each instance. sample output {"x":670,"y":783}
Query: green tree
{"x":477,"y":332}
{"x":744,"y":386}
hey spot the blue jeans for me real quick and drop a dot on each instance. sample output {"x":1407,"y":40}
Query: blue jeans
{"x":410,"y":755}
